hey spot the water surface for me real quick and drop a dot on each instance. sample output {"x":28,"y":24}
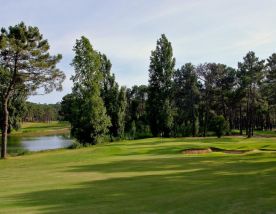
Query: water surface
{"x":17,"y":144}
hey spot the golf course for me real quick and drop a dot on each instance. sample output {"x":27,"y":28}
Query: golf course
{"x":152,"y":175}
{"x":137,"y":107}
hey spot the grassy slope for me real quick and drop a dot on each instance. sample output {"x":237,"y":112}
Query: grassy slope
{"x":38,"y":128}
{"x":143,"y":176}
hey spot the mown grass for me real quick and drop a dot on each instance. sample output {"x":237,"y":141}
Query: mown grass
{"x":41,"y":128}
{"x":143,"y":176}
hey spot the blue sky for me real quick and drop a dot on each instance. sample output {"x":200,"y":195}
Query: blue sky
{"x":126,"y":31}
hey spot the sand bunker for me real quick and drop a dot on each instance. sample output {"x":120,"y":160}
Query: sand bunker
{"x":196,"y":151}
{"x":212,"y":149}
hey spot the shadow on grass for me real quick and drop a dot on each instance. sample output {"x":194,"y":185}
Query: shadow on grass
{"x":204,"y":163}
{"x":213,"y":185}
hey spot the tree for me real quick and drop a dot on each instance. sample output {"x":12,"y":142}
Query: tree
{"x":219,"y":125}
{"x":250,"y":73}
{"x":25,"y":65}
{"x":207,"y":75}
{"x":161,"y":70}
{"x":269,"y":89}
{"x":122,"y":103}
{"x":136,"y":113}
{"x":36,"y":112}
{"x":16,"y":109}
{"x":110,"y":95}
{"x":271,"y":78}
{"x":186,"y":98}
{"x":217,"y":94}
{"x":89,"y":119}
{"x":224,"y":89}
{"x":66,"y":107}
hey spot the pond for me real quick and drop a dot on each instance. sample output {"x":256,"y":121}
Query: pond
{"x":17,"y":145}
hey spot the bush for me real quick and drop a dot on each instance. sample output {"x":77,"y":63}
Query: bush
{"x":219,"y":125}
{"x":75,"y":145}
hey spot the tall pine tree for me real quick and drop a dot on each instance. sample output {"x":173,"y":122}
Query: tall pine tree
{"x":186,"y":96}
{"x":25,"y":66}
{"x":250,"y":73}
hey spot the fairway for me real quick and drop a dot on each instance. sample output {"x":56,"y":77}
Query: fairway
{"x":144,"y":176}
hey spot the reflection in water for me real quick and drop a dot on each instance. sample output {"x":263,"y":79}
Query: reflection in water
{"x":40,"y":143}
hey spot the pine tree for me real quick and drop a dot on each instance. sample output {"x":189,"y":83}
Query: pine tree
{"x":250,"y":73}
{"x":207,"y":74}
{"x":271,"y":78}
{"x":136,"y":110}
{"x":25,"y":66}
{"x":186,"y":94}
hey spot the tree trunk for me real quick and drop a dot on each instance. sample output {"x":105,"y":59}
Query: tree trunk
{"x":267,"y":125}
{"x":250,"y":125}
{"x":241,"y":124}
{"x":247,"y":118}
{"x":4,"y":128}
{"x":193,"y":123}
{"x":249,"y":134}
{"x":248,"y":114}
{"x":193,"y":117}
{"x":5,"y":113}
{"x":205,"y":123}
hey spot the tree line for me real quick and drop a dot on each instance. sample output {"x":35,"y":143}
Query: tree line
{"x":193,"y":100}
{"x":187,"y":101}
{"x":36,"y":112}
{"x":21,"y":111}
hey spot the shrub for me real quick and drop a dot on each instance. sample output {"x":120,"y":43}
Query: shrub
{"x":219,"y":125}
{"x":75,"y":145}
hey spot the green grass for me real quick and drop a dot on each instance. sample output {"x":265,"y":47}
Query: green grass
{"x":265,"y":133}
{"x":40,"y":128}
{"x":257,"y":133}
{"x":143,"y":176}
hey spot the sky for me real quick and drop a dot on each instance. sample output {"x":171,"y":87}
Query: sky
{"x":221,"y":31}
